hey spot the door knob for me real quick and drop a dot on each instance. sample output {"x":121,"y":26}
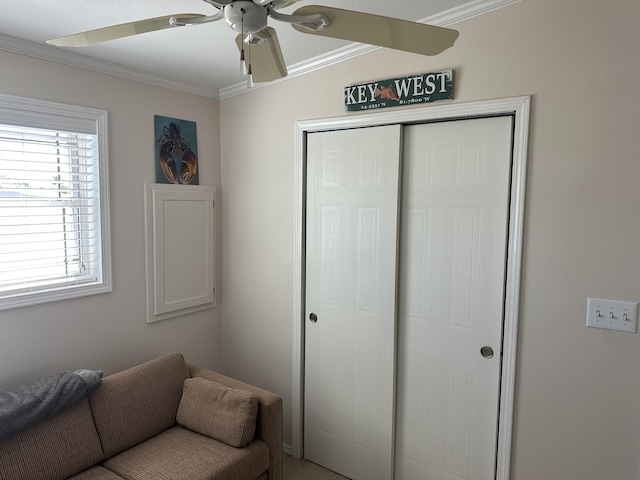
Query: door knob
{"x":486,"y":352}
{"x":313,"y":317}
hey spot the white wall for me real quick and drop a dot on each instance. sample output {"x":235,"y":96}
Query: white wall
{"x":578,"y":389}
{"x":109,"y":331}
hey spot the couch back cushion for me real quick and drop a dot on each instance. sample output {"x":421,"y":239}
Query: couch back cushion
{"x":53,"y":449}
{"x":217,"y":411}
{"x":136,"y":404}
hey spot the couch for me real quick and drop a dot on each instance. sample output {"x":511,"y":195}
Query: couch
{"x":161,"y":420}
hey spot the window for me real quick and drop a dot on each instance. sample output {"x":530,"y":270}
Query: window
{"x":54,"y":217}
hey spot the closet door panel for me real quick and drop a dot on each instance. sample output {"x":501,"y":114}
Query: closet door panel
{"x":455,"y":203}
{"x":351,"y":260}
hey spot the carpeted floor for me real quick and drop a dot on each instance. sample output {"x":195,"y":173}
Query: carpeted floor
{"x":305,"y":470}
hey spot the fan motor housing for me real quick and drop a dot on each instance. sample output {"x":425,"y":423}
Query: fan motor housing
{"x":245,"y":16}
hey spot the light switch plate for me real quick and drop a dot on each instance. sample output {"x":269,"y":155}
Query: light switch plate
{"x":612,"y":315}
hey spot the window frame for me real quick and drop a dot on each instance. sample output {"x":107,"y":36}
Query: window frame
{"x":36,"y":113}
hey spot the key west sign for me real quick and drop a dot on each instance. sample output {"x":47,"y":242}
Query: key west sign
{"x":411,"y":90}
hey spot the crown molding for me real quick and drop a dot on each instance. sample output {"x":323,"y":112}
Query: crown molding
{"x":45,"y":52}
{"x":467,"y":11}
{"x":65,"y":57}
{"x":301,"y":68}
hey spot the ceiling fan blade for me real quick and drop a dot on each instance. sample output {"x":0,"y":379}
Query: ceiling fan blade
{"x":119,"y":31}
{"x":265,"y":58}
{"x":382,"y":31}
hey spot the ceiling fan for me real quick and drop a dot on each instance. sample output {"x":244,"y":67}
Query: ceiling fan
{"x":260,"y":52}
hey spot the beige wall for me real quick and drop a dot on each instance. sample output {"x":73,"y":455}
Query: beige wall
{"x":578,"y":389}
{"x":109,"y":331}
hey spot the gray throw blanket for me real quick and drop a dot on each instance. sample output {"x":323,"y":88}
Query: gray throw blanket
{"x":43,"y":398}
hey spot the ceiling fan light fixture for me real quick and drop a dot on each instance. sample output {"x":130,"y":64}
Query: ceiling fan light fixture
{"x":245,"y":16}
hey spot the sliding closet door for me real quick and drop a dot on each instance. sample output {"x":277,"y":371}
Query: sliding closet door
{"x":455,"y":203}
{"x":351,"y":252}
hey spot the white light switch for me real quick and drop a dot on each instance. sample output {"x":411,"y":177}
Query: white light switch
{"x":612,"y":315}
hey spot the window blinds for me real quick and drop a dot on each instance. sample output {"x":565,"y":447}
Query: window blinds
{"x":49,"y":209}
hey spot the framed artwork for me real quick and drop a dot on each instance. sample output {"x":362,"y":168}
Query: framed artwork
{"x":176,"y":151}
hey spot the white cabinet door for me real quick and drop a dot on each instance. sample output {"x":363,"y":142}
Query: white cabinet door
{"x":351,"y":252}
{"x":455,"y":204}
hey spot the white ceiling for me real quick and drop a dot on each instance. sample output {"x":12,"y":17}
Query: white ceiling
{"x":202,"y":58}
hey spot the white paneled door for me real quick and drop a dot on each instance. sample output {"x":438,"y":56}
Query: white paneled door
{"x":455,"y":202}
{"x":405,"y":298}
{"x":352,"y":221}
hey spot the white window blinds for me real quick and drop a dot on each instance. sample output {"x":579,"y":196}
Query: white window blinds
{"x":52,"y":214}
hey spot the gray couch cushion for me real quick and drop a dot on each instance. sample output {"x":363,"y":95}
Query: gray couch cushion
{"x":53,"y":449}
{"x":180,"y":454}
{"x":220,"y":412}
{"x":136,"y":404}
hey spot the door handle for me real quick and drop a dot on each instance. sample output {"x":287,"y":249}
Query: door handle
{"x":486,"y":352}
{"x":313,"y":317}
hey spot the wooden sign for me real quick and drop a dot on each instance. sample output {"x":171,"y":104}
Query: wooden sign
{"x":394,"y":92}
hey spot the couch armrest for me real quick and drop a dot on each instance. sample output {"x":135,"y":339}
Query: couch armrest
{"x":269,"y":421}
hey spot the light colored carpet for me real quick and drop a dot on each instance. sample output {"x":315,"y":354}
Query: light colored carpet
{"x":306,"y":470}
